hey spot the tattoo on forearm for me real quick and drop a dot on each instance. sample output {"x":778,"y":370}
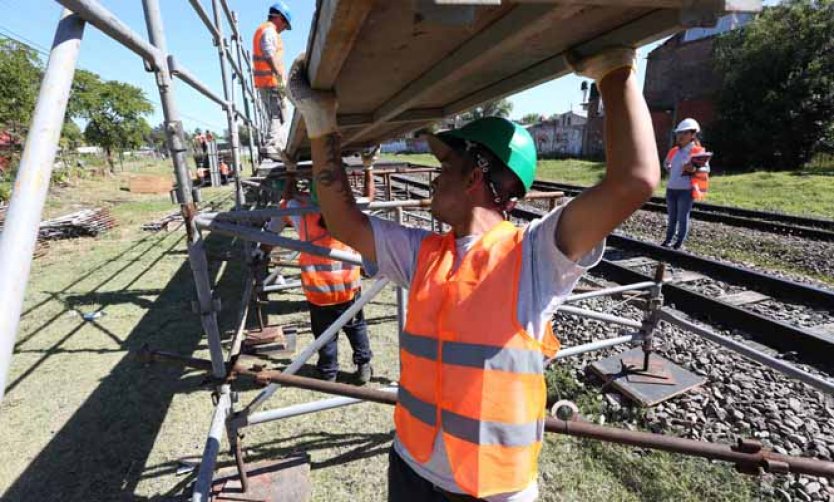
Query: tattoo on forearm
{"x":332,"y":175}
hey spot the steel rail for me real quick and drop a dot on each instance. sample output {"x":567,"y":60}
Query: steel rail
{"x":813,"y":228}
{"x":776,"y":287}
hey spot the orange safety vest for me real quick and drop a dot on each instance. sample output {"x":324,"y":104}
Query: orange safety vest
{"x":469,"y":370}
{"x":264,"y":76}
{"x":325,"y":281}
{"x":699,"y":180}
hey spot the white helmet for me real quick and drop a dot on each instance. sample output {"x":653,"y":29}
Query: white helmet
{"x":688,"y":125}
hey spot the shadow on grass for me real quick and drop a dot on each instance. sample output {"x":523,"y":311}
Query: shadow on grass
{"x":101,"y":451}
{"x":361,"y":446}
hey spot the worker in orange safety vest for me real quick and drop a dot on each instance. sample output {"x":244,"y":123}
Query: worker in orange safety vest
{"x":471,"y":397}
{"x":270,"y":77}
{"x":330,"y":286}
{"x":688,"y":166}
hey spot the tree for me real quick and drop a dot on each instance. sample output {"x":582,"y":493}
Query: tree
{"x":531,"y":118}
{"x":776,"y":104}
{"x":243,"y":134}
{"x":114,"y":113}
{"x":20,"y":76}
{"x":71,"y":136}
{"x":158,"y":138}
{"x":499,"y":108}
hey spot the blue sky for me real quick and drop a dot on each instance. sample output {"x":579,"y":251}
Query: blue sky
{"x":34,"y":22}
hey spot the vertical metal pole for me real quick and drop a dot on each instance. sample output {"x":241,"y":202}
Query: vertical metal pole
{"x":228,"y":95}
{"x":246,"y":109}
{"x":206,"y":305}
{"x":205,"y":473}
{"x":402,"y":293}
{"x":19,"y":237}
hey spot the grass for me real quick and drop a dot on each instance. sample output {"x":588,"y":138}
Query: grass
{"x":84,"y":420}
{"x":808,"y":193}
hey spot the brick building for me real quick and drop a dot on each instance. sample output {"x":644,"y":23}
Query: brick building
{"x":680,"y":81}
{"x":560,"y":136}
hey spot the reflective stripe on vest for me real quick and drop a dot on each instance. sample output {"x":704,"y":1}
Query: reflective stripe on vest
{"x":264,"y":76}
{"x":325,"y":281}
{"x":469,"y":370}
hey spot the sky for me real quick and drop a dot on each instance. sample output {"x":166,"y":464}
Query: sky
{"x":33,"y":22}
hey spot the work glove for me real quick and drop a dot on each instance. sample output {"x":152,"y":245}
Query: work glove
{"x":317,"y":107}
{"x":602,"y":64}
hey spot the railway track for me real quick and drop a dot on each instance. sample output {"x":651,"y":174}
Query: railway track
{"x":736,"y":310}
{"x":784,"y":224}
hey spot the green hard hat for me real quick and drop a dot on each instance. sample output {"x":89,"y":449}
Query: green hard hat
{"x":508,"y":141}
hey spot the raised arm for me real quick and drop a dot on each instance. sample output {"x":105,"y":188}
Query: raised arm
{"x":344,"y":219}
{"x":633,"y":170}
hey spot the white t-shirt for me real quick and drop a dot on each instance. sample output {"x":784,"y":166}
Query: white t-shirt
{"x":270,"y":42}
{"x":547,"y":277}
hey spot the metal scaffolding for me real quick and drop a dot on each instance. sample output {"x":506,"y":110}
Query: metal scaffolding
{"x":246,"y":224}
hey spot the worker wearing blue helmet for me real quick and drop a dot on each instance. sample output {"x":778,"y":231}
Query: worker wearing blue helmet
{"x":270,"y":75}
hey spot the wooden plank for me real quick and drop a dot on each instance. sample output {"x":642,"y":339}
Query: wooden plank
{"x":503,"y":35}
{"x":719,"y":5}
{"x":338,"y":25}
{"x":743,"y":298}
{"x":647,"y":29}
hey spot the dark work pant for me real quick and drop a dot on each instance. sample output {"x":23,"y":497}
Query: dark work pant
{"x":679,"y":205}
{"x":405,"y":485}
{"x":321,"y":317}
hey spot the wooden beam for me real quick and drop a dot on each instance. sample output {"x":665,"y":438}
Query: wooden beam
{"x":416,"y":115}
{"x":338,"y":24}
{"x":514,"y":28}
{"x":643,"y":30}
{"x":717,"y":5}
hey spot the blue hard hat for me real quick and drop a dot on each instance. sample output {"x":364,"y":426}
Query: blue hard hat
{"x":282,"y":8}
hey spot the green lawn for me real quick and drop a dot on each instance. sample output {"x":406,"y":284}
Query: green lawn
{"x":808,"y":193}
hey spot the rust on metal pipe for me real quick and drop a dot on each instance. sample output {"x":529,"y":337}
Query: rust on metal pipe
{"x":748,"y":456}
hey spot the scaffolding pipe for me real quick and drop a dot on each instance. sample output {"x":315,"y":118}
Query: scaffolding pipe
{"x":814,"y":381}
{"x":230,"y":17}
{"x":248,"y":109}
{"x":281,"y":287}
{"x":593,"y":346}
{"x":748,"y":455}
{"x":20,"y":234}
{"x":307,"y":353}
{"x":204,"y":17}
{"x":94,"y":13}
{"x":187,"y":77}
{"x":599,"y":316}
{"x":610,"y":291}
{"x":273,"y":239}
{"x":228,"y":93}
{"x":206,"y":306}
{"x":245,"y":301}
{"x":307,"y":408}
{"x":205,"y":474}
{"x":207,"y":221}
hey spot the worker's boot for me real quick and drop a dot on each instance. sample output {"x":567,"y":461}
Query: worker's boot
{"x":363,"y":374}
